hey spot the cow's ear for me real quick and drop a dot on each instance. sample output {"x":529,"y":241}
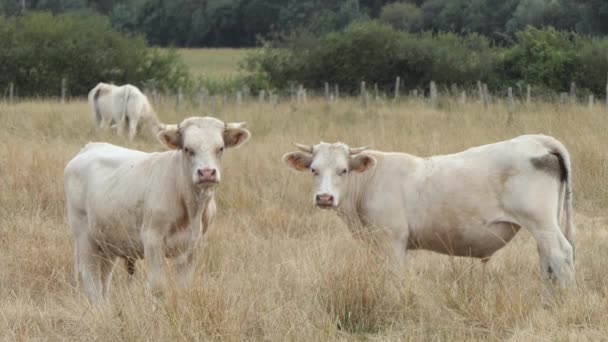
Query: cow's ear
{"x":362,"y":162}
{"x":298,"y":160}
{"x":236,"y":135}
{"x":170,"y":137}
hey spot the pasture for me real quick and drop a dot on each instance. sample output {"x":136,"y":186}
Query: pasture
{"x":274,"y":267}
{"x":215,"y":64}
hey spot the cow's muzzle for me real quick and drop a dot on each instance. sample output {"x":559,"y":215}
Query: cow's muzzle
{"x":324,"y":201}
{"x":207,"y":176}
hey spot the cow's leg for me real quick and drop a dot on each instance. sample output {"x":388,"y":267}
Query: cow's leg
{"x":106,"y":266}
{"x":104,"y":123}
{"x":78,"y":223}
{"x":184,"y":266}
{"x":132,"y":129}
{"x":121,"y":125}
{"x":556,"y":257}
{"x":399,"y":246}
{"x":155,"y":260}
{"x":90,"y":270}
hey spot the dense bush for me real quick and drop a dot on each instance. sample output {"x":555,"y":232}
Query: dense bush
{"x":553,"y":59}
{"x":376,"y":53}
{"x":39,"y":49}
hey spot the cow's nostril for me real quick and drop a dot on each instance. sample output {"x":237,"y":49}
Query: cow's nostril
{"x":324,"y":198}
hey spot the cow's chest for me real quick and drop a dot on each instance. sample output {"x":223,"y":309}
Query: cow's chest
{"x":181,"y":236}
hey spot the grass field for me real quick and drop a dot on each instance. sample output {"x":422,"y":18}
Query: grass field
{"x":213,"y":63}
{"x":277,"y":269}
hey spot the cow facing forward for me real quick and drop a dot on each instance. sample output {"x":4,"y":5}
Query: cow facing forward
{"x":129,"y":204}
{"x":465,"y":204}
{"x":123,"y":107}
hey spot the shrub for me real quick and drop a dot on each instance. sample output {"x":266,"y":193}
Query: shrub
{"x":39,"y":49}
{"x":376,"y":53}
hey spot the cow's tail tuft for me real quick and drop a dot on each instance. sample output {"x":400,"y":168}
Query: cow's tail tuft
{"x":559,"y":150}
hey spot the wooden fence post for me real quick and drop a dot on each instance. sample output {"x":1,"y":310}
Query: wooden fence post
{"x":300,"y":93}
{"x":563,"y":98}
{"x":591,"y":102}
{"x":261,"y":96}
{"x":376,"y":93}
{"x":326,"y":91}
{"x":572,"y":92}
{"x":528,"y":94}
{"x":480,"y":90}
{"x":364,"y":94}
{"x":486,"y":94}
{"x":63,"y":90}
{"x":11,"y":92}
{"x":398,"y":83}
{"x":433,"y":94}
{"x":463,"y":97}
{"x":510,"y":100}
{"x":239,"y":98}
{"x":180,"y":98}
{"x":454,"y":89}
{"x":337,"y":91}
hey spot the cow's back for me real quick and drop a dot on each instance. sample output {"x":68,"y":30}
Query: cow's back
{"x":96,"y":161}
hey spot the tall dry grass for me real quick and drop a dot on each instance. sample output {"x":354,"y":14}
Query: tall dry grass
{"x":274,"y":267}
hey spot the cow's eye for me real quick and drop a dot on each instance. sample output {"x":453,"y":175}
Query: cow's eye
{"x":189,"y":151}
{"x":343,"y":172}
{"x":314,"y":172}
{"x":220,"y":150}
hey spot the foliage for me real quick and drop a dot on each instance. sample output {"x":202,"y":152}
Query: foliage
{"x":39,"y":49}
{"x":377,"y":53}
{"x":553,"y":59}
{"x":238,"y":23}
{"x":402,"y":16}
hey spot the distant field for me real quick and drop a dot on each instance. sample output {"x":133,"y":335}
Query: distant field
{"x":213,"y":63}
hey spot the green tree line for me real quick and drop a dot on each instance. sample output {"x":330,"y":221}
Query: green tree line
{"x":242,"y":22}
{"x":376,"y":53}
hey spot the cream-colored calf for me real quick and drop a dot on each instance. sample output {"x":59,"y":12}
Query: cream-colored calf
{"x":130,"y":204}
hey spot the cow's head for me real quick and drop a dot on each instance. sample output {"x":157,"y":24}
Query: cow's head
{"x":202,"y":141}
{"x":330,"y":165}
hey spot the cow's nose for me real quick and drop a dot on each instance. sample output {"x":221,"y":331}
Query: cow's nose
{"x":325,"y":200}
{"x":206,"y":175}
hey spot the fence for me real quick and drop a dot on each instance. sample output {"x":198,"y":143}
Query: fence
{"x":203,"y":98}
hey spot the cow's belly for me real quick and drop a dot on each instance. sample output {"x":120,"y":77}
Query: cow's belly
{"x":480,"y":241}
{"x":119,"y":242}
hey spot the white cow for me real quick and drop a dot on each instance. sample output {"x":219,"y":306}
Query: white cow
{"x":129,"y":204}
{"x":125,"y":106}
{"x":465,"y":204}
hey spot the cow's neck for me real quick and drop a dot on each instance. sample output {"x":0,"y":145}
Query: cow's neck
{"x":349,"y":208}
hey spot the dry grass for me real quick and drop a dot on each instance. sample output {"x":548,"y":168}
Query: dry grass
{"x":275,"y":268}
{"x":212,"y":63}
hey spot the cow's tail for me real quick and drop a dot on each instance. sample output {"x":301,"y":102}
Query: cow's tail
{"x":96,"y":110}
{"x":559,"y":150}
